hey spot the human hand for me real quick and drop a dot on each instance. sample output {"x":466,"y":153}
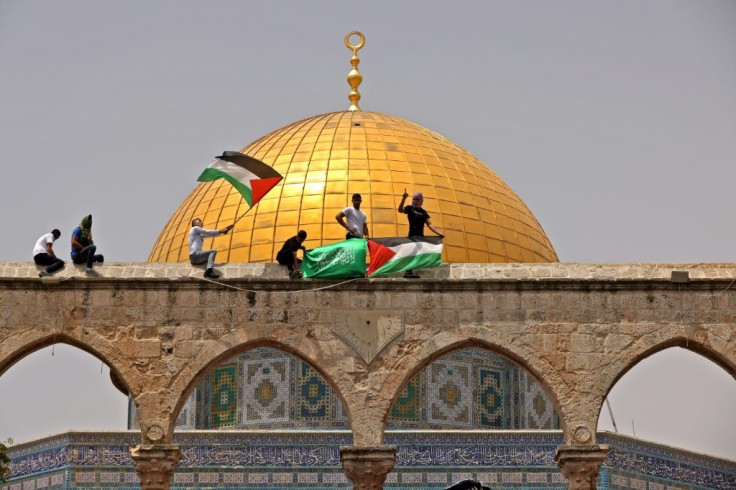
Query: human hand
{"x":405,"y":194}
{"x":353,"y":229}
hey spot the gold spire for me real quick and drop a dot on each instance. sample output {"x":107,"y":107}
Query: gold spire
{"x":354,"y":77}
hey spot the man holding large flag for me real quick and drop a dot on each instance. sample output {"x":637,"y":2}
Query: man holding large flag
{"x":417,"y":217}
{"x":252,"y":178}
{"x":196,"y":254}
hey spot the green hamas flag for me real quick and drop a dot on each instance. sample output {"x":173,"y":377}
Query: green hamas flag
{"x":340,"y":260}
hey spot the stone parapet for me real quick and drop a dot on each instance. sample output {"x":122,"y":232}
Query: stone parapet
{"x":550,"y":271}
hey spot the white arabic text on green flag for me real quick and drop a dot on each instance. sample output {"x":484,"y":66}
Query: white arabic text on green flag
{"x":341,"y":260}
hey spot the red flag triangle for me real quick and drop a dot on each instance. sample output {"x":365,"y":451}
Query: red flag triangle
{"x":380,"y":254}
{"x":260,"y":187}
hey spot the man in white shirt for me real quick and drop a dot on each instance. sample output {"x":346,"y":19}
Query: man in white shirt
{"x":196,"y":254}
{"x":43,"y":253}
{"x":357,"y":223}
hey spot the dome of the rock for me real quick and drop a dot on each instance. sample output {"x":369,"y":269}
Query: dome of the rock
{"x":326,"y":158}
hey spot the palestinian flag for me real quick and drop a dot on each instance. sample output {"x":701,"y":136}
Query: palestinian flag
{"x":401,"y":254}
{"x":341,"y":260}
{"x":251,"y":177}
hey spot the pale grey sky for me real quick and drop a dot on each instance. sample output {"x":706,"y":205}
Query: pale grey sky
{"x":614,"y":121}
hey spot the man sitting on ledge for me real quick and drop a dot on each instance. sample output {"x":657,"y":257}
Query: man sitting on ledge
{"x":196,"y":254}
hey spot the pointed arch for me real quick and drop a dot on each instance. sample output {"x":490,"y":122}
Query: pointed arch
{"x":632,"y":356}
{"x":207,"y":363}
{"x":539,"y":369}
{"x":103,"y":350}
{"x":674,"y":396}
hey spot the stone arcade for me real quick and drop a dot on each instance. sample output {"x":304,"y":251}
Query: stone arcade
{"x":577,"y":328}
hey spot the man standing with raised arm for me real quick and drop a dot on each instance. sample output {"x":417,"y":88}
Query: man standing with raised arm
{"x":417,"y":217}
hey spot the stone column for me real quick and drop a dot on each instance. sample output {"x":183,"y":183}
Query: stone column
{"x":155,"y":464}
{"x":367,"y":466}
{"x":581,"y":464}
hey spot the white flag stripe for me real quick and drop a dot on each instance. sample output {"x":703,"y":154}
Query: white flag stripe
{"x":235,"y":171}
{"x":415,"y":248}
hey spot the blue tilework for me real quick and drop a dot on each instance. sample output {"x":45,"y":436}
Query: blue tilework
{"x":310,"y":459}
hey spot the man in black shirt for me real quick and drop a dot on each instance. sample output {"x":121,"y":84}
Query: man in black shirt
{"x":287,"y":254}
{"x":418,"y":217}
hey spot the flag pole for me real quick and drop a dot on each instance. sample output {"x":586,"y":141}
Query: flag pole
{"x":238,"y":218}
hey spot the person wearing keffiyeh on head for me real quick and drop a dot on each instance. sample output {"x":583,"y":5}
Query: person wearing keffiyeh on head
{"x":418,"y":217}
{"x":83,"y":248}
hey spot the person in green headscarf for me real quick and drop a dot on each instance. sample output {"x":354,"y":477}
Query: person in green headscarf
{"x":83,"y":248}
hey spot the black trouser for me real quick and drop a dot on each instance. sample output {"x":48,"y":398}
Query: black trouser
{"x":284,"y":257}
{"x":87,"y":254}
{"x":53,"y":263}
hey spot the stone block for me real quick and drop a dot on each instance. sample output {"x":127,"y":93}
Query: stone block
{"x":585,"y":343}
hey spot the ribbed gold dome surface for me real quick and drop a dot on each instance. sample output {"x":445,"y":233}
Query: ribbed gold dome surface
{"x":327,"y":158}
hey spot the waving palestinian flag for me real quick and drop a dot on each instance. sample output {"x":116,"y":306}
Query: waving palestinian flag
{"x":251,"y":177}
{"x":401,"y":254}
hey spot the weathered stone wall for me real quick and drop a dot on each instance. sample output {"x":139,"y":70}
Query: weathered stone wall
{"x":577,"y":327}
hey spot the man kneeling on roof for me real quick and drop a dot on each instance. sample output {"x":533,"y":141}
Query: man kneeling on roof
{"x":287,"y":254}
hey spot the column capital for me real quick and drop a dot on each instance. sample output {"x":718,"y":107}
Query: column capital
{"x":581,"y":464}
{"x":155,"y":464}
{"x":367,"y":466}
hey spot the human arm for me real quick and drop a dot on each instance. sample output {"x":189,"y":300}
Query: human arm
{"x":340,"y":217}
{"x":365,"y":230}
{"x":75,"y":239}
{"x":403,"y":200}
{"x":209,"y":233}
{"x":437,"y":232}
{"x":50,"y":249}
{"x":297,"y":264}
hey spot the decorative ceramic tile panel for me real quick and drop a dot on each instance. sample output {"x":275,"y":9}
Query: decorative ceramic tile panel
{"x":307,"y":478}
{"x":536,"y":477}
{"x":224,"y":406}
{"x":267,"y":391}
{"x":313,"y":395}
{"x":180,"y":477}
{"x":233,"y":478}
{"x":431,"y":459}
{"x":208,"y":477}
{"x":406,"y":408}
{"x":256,"y":478}
{"x":538,"y":410}
{"x":283,"y":478}
{"x":450,"y":394}
{"x":411,"y":478}
{"x":490,"y":398}
{"x":187,"y":417}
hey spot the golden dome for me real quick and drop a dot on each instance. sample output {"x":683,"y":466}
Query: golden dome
{"x":327,"y":158}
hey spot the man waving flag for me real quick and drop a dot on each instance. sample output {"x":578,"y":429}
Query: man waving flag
{"x":251,"y":177}
{"x":400,"y":254}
